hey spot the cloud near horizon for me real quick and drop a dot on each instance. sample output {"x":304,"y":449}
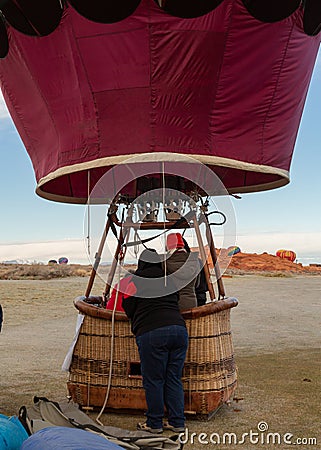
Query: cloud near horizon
{"x":73,"y":249}
{"x":305,"y":245}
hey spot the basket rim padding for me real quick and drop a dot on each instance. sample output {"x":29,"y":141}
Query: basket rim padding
{"x":96,"y":311}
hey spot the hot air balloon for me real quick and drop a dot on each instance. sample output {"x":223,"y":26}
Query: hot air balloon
{"x":233,"y":250}
{"x":52,"y":262}
{"x":105,"y":83}
{"x":286,"y":254}
{"x":145,"y":93}
{"x":63,"y":260}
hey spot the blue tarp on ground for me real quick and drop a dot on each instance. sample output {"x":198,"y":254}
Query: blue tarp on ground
{"x":63,"y":438}
{"x":12,"y":433}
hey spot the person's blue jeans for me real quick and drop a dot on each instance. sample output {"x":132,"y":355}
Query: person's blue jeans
{"x":162,"y":354}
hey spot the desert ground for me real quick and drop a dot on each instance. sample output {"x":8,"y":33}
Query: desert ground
{"x":277,"y":338}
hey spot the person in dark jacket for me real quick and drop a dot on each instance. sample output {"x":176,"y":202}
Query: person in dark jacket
{"x":151,"y":303}
{"x":184,"y":268}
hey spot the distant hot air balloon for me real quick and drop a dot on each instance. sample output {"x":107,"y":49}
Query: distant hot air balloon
{"x":233,"y":250}
{"x":63,"y":260}
{"x":52,"y":262}
{"x":286,"y":254}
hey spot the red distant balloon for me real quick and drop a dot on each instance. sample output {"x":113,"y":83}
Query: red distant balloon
{"x":286,"y":254}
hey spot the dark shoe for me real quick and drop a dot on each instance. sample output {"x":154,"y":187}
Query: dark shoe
{"x":142,"y":426}
{"x":167,"y":426}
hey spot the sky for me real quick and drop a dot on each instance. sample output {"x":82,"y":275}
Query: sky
{"x":34,"y":229}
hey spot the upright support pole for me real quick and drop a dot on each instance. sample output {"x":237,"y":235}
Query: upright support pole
{"x":111,"y":274}
{"x":217,"y":270}
{"x":204,"y":258}
{"x":97,"y":258}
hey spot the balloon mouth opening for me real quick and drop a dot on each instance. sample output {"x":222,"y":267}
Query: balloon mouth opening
{"x":73,"y":184}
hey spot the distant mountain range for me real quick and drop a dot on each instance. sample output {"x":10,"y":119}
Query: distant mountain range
{"x":19,"y":261}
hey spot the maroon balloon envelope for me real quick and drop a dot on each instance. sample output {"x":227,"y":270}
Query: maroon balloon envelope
{"x":224,"y":88}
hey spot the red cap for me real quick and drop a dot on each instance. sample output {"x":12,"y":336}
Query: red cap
{"x":174,"y":240}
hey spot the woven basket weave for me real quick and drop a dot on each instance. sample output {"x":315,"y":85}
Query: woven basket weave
{"x":209,"y":375}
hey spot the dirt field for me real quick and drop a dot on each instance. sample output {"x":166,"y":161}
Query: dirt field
{"x":277,"y":338}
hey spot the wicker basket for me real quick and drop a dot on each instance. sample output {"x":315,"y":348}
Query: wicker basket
{"x":209,"y":376}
